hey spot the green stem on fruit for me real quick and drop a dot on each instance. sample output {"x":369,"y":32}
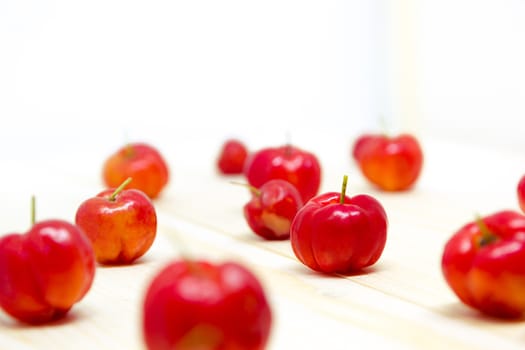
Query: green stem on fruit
{"x":343,"y":190}
{"x":487,"y":236}
{"x":33,"y":210}
{"x":252,"y":189}
{"x":119,"y":189}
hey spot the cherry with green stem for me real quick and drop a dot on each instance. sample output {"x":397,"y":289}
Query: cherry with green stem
{"x":45,"y":270}
{"x":483,"y":262}
{"x":334,"y":233}
{"x":121,"y":223}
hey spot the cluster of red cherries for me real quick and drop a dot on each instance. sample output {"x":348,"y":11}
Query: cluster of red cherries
{"x":483,"y":262}
{"x":193,"y":304}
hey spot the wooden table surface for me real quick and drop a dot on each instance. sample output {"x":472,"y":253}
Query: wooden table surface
{"x":402,"y":302}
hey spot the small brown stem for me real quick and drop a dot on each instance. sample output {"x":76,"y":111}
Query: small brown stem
{"x":487,"y":236}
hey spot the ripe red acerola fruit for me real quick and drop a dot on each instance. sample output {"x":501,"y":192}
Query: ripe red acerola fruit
{"x":202,"y":305}
{"x":297,"y":166}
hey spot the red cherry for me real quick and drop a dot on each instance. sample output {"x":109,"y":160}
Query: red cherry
{"x":272,"y":208}
{"x":299,"y":167}
{"x":334,"y":233}
{"x":232,"y":157}
{"x":140,"y":161}
{"x":200,"y":305}
{"x":390,"y":163}
{"x":45,"y":271}
{"x":121,"y":224}
{"x":484,"y":264}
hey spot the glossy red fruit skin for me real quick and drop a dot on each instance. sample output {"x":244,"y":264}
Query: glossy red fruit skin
{"x":121,"y":230}
{"x":45,"y":271}
{"x":232,"y":157}
{"x":201,"y":305}
{"x":521,"y":193}
{"x":390,"y":163}
{"x":331,"y":237}
{"x":272,"y":208}
{"x":299,"y":167}
{"x":489,"y":277}
{"x":140,"y":161}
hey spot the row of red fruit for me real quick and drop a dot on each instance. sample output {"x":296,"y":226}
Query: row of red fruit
{"x":188,"y":304}
{"x":47,"y":270}
{"x":483,"y":262}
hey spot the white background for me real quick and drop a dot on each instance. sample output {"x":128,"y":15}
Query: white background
{"x":90,"y":75}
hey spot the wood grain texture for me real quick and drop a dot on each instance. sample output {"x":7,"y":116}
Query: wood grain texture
{"x":402,"y":302}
